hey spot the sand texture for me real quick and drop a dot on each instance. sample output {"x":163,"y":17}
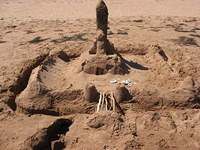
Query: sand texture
{"x":51,"y":78}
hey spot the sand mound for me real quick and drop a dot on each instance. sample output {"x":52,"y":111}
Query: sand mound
{"x":48,"y":138}
{"x":42,"y":96}
{"x":184,"y":96}
{"x":121,"y":94}
{"x":144,"y":130}
{"x":103,"y":64}
{"x":91,"y":94}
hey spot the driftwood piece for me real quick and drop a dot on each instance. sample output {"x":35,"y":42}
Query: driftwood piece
{"x":113,"y":102}
{"x":105,"y":103}
{"x":102,"y":102}
{"x":99,"y":103}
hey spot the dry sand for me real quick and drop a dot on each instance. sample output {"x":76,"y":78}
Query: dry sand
{"x":42,"y":47}
{"x":70,"y":9}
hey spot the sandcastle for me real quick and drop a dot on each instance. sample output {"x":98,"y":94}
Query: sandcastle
{"x":43,"y":93}
{"x":103,"y":56}
{"x":102,"y":44}
{"x":104,"y":59}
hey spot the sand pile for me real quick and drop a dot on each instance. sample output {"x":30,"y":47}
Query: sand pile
{"x":42,"y":96}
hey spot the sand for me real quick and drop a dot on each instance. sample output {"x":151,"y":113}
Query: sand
{"x":75,"y":9}
{"x":43,"y":46}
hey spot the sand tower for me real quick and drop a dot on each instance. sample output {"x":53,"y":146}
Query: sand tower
{"x":103,"y":57}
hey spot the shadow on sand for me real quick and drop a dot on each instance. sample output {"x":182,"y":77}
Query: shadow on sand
{"x":132,"y":64}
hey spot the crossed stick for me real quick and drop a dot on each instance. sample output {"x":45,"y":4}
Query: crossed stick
{"x":108,"y":105}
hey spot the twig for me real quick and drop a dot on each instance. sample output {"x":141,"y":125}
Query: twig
{"x":113,"y":101}
{"x":106,"y":104}
{"x":99,"y":103}
{"x":103,"y":99}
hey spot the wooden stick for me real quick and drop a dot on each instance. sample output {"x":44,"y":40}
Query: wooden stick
{"x":99,"y":103}
{"x":106,"y":104}
{"x":109,"y":103}
{"x":103,"y":99}
{"x":113,"y":101}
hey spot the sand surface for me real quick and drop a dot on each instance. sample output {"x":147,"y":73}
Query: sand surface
{"x":70,"y":9}
{"x":43,"y":48}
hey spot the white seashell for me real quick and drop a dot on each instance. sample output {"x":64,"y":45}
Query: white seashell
{"x":113,"y":81}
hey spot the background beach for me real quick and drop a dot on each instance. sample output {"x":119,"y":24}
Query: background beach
{"x":70,"y":9}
